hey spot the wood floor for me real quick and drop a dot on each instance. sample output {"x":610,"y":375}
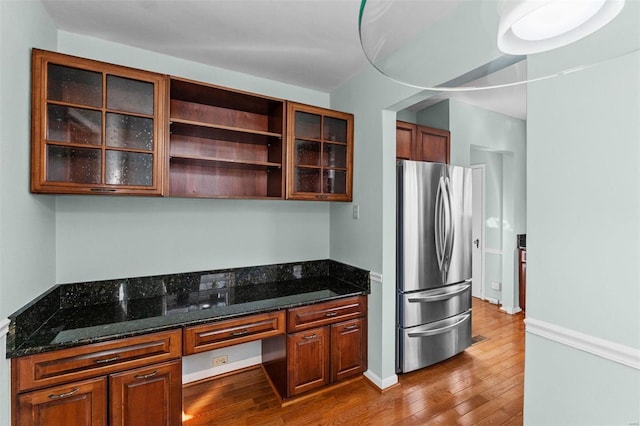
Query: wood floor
{"x":483,"y":385}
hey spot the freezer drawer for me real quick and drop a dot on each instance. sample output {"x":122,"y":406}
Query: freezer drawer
{"x":433,"y":305}
{"x":431,"y":343}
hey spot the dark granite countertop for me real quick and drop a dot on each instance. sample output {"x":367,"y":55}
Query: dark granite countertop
{"x":82,"y":313}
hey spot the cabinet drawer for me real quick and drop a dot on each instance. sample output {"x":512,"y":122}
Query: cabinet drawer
{"x":81,"y":362}
{"x":216,"y":335}
{"x":320,"y":314}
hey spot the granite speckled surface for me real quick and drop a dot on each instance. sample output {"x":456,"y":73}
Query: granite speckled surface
{"x":80,"y":313}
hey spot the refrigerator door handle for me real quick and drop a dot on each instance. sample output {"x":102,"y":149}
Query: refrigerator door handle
{"x":439,"y":231}
{"x":435,"y":331}
{"x":439,"y":297}
{"x":450,"y":234}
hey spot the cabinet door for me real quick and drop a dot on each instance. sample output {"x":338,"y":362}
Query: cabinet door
{"x":308,"y":360}
{"x":431,"y":145}
{"x":147,"y":396}
{"x":77,"y":404}
{"x":96,"y":128}
{"x":319,"y":154}
{"x":348,"y":349}
{"x":405,"y":137}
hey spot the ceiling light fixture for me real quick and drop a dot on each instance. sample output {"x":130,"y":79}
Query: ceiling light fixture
{"x":533,"y":26}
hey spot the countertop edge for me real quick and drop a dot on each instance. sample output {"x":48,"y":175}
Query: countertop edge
{"x":172,"y":324}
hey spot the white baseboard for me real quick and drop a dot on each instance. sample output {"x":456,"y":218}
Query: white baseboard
{"x":225,"y":368}
{"x":381,"y":383}
{"x":4,"y":326}
{"x":511,"y":310}
{"x":492,"y":300}
{"x":606,"y":349}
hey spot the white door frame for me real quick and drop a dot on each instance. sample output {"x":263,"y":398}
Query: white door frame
{"x":481,"y":167}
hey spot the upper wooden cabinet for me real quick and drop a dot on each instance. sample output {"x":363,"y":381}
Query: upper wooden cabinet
{"x":96,"y":127}
{"x":319,"y":154}
{"x":422,"y":143}
{"x":224,"y":143}
{"x":99,"y":128}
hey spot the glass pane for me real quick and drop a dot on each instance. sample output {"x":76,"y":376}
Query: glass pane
{"x":307,"y":125}
{"x":334,"y":181}
{"x":334,"y":155}
{"x":307,"y":180}
{"x":335,"y":129}
{"x":307,"y":153}
{"x":74,"y":86}
{"x":128,"y":168}
{"x":78,"y":165}
{"x":127,"y":131}
{"x":125,"y":94}
{"x":76,"y":125}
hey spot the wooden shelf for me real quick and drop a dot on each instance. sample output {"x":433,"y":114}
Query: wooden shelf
{"x":224,"y":143}
{"x":220,"y":132}
{"x":223,"y":162}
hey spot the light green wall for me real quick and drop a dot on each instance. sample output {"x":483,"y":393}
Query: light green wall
{"x":470,"y":127}
{"x":584,"y":229}
{"x":435,"y":116}
{"x":27,"y":228}
{"x":107,"y":237}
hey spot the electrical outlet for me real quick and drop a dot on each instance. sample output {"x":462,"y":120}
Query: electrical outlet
{"x":495,"y":285}
{"x":356,"y":211}
{"x":220,"y":360}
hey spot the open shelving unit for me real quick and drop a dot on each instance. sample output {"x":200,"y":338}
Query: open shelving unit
{"x":224,"y":143}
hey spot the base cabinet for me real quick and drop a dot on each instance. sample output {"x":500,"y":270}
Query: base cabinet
{"x":348,"y":349}
{"x":326,"y":343}
{"x":147,"y":396}
{"x":131,"y":381}
{"x":76,"y":404}
{"x":308,"y":359}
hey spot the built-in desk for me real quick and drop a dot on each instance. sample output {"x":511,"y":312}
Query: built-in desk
{"x":96,"y":347}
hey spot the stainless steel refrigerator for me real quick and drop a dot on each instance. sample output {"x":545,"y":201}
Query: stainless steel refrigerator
{"x":433,"y":263}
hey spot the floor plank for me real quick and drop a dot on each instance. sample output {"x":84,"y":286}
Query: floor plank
{"x":483,"y":385}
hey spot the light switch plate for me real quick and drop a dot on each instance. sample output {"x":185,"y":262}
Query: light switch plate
{"x":356,"y":211}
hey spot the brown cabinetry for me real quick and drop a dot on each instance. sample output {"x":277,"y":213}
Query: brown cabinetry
{"x":224,"y":143}
{"x":81,"y":403}
{"x":220,"y":334}
{"x":96,"y":127}
{"x":326,"y":343}
{"x":81,"y":385}
{"x":319,"y":153}
{"x":147,"y":396}
{"x":422,"y":143}
{"x":522,"y":275}
{"x":308,"y":360}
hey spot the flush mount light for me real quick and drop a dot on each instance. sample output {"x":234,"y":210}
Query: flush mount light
{"x":533,"y":26}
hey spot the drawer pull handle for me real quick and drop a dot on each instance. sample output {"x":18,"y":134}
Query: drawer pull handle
{"x":106,"y":360}
{"x":63,"y":395}
{"x":351,"y":327}
{"x":313,"y":336}
{"x":145,"y":376}
{"x":240,"y":333}
{"x":330,"y":314}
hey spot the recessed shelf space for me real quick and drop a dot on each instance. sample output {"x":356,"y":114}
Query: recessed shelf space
{"x":220,"y":179}
{"x":224,"y":143}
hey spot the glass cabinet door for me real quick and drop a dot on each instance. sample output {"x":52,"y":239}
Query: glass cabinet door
{"x":97,"y":127}
{"x":320,"y":147}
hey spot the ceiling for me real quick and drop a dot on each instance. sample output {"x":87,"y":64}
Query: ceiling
{"x":308,"y":43}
